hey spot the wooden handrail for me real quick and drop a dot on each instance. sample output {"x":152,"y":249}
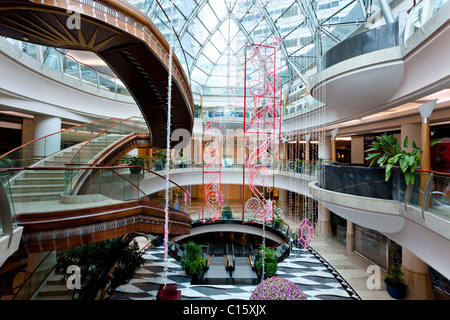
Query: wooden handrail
{"x":51,"y":134}
{"x":447,"y":174}
{"x":98,"y":134}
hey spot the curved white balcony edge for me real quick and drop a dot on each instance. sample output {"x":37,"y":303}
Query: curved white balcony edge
{"x":9,"y":246}
{"x":241,"y":228}
{"x":295,"y":182}
{"x":33,"y":87}
{"x":378,"y":214}
{"x":426,"y":236}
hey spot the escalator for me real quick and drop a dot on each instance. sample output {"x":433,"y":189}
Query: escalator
{"x":228,"y":268}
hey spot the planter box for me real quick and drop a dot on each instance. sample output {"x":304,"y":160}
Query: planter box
{"x":368,"y":182}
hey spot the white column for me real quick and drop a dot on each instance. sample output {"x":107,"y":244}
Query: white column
{"x":325,"y":149}
{"x":282,"y":195}
{"x":417,"y":277}
{"x":323,"y":221}
{"x":45,"y":125}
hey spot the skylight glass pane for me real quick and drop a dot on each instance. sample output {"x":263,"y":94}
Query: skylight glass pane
{"x":207,"y":16}
{"x":199,"y":31}
{"x":211,"y":52}
{"x":246,"y":22}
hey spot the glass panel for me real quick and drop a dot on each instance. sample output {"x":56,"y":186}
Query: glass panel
{"x":30,"y":49}
{"x":88,"y":76}
{"x":207,"y":16}
{"x":106,"y":82}
{"x":69,"y":66}
{"x":51,"y":58}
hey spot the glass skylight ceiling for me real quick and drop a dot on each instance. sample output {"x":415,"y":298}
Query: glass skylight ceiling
{"x":213,"y":34}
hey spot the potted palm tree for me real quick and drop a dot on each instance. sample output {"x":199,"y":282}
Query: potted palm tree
{"x":395,"y":284}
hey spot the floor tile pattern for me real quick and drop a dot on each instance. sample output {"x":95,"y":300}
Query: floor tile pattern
{"x":305,"y":267}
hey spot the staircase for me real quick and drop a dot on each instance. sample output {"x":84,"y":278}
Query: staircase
{"x":37,"y":186}
{"x":54,"y":288}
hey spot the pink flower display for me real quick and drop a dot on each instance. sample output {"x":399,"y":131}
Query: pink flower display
{"x":277,"y":288}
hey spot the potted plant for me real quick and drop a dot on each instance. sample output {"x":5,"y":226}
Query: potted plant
{"x":227,"y":213}
{"x":192,"y":260}
{"x":134,"y":161}
{"x":270,"y":262}
{"x":181,"y":164}
{"x":395,"y":284}
{"x":387,"y":150}
{"x":197,"y":110}
{"x":160,"y":160}
{"x":104,"y":266}
{"x":298,"y":165}
{"x":277,"y":288}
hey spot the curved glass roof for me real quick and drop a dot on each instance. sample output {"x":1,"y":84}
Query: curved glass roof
{"x":213,"y":34}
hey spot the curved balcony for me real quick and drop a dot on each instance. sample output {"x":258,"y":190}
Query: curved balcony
{"x":362,"y":196}
{"x":122,"y":36}
{"x":110,"y":205}
{"x":386,"y":67}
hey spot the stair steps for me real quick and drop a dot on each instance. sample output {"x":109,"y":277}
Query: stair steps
{"x":49,"y":185}
{"x":54,"y":288}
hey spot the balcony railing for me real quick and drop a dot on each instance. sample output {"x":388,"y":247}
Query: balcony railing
{"x":432,"y":197}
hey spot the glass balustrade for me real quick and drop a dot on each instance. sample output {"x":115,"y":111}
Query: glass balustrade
{"x":431,"y":193}
{"x":41,"y":190}
{"x":65,"y":64}
{"x":61,"y":145}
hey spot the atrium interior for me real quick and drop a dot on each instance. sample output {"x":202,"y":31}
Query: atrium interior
{"x":228,"y":144}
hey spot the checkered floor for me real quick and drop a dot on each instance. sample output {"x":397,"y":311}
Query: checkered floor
{"x":312,"y":274}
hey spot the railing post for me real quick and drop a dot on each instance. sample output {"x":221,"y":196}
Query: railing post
{"x":427,"y":194}
{"x":5,"y":214}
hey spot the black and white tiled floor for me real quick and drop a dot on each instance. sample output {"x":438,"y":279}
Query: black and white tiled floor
{"x":306,"y":268}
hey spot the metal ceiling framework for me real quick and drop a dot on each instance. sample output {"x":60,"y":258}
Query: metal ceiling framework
{"x":312,"y":21}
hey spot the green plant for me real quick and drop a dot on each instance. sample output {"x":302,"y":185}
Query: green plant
{"x":227,"y":213}
{"x":160,"y":159}
{"x":193,"y":261}
{"x":270,"y":262}
{"x":112,"y":262}
{"x":395,"y":279}
{"x":387,"y":150}
{"x":134,"y":160}
{"x":6,"y":162}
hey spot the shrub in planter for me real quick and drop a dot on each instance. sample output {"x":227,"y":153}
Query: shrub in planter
{"x":395,"y":284}
{"x":160,"y":160}
{"x":387,"y":150}
{"x":270,"y":262}
{"x":277,"y":288}
{"x":193,"y":261}
{"x":134,"y":161}
{"x":104,"y":265}
{"x":227,"y":213}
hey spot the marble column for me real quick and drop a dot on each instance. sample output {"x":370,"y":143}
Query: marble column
{"x":417,"y":277}
{"x":323,"y":221}
{"x":350,"y":237}
{"x":45,"y":125}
